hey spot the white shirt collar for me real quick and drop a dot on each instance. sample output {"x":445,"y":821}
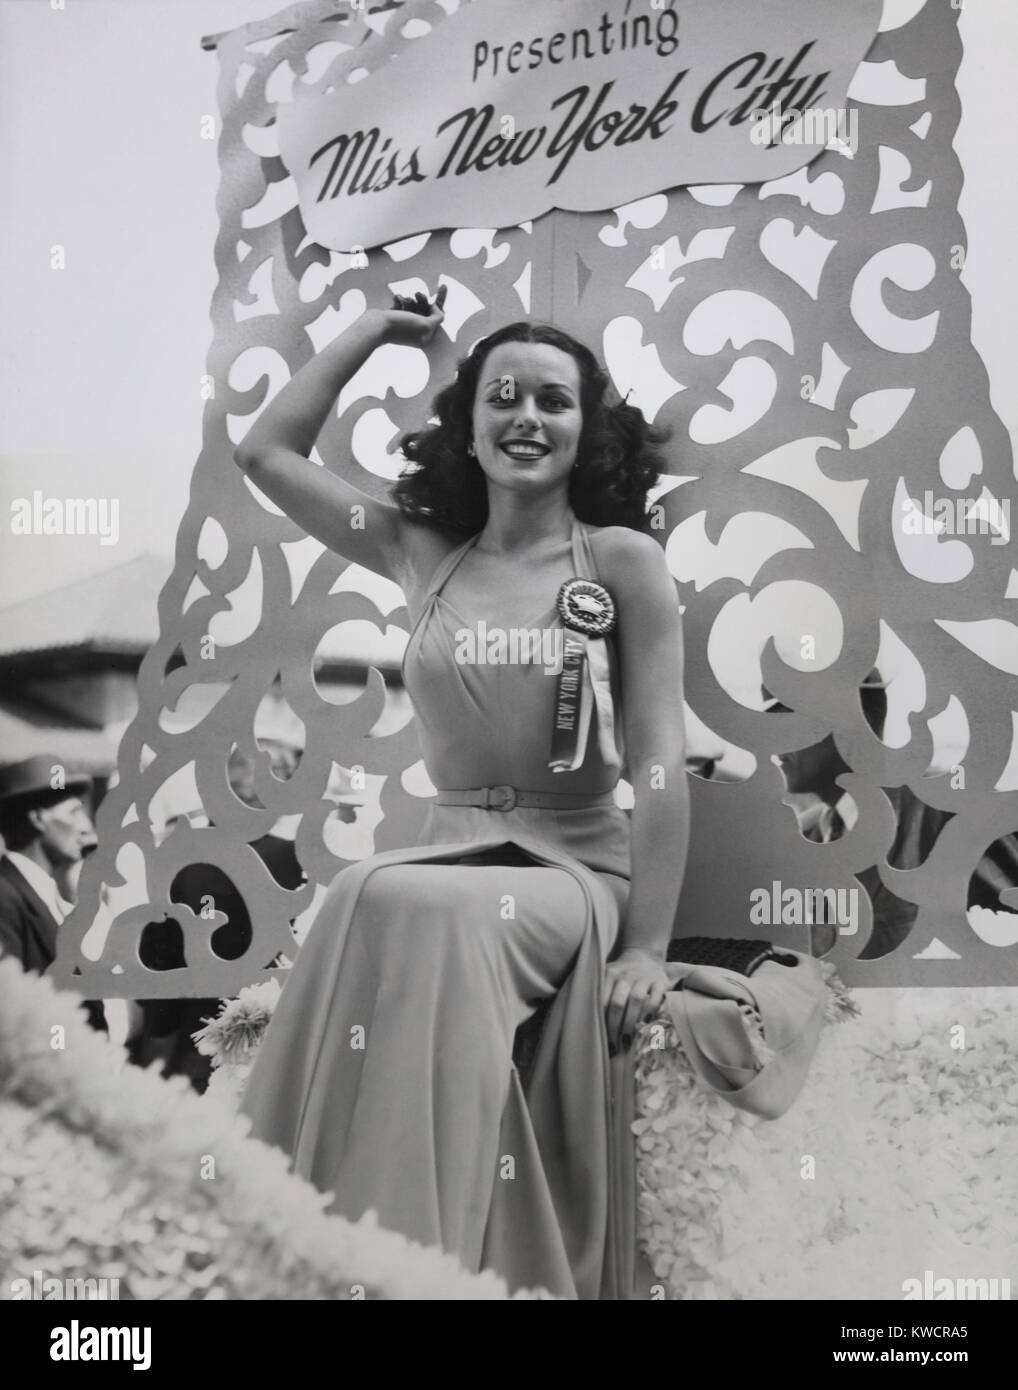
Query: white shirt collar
{"x":40,"y":881}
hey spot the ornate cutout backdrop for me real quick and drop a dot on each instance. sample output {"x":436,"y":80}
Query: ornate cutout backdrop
{"x":806,"y":339}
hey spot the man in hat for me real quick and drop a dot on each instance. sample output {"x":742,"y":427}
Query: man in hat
{"x":46,"y":829}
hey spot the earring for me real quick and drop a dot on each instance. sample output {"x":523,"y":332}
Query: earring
{"x":470,"y":451}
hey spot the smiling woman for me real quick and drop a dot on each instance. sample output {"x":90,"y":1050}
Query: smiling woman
{"x":391,"y":1070}
{"x":541,"y":391}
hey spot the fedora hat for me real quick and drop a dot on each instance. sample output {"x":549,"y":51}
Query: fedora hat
{"x":31,"y":780}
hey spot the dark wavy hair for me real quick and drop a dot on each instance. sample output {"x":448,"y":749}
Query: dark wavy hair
{"x":618,"y":459}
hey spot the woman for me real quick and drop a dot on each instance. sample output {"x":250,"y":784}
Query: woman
{"x":387,"y":1071}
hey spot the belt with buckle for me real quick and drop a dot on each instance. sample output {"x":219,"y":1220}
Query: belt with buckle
{"x":506,"y":798}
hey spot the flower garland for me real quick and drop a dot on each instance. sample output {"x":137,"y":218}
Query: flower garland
{"x":892,"y":1162}
{"x":111,"y":1172}
{"x":894,"y":1159}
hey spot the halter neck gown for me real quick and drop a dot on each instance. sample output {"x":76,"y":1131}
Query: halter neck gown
{"x":387,"y":1069}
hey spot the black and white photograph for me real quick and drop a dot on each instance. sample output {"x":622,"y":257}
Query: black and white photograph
{"x":508,"y":664}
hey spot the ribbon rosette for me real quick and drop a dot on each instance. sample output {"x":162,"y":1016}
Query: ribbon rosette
{"x":587,"y":611}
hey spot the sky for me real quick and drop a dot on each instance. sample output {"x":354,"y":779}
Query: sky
{"x":101,"y":105}
{"x":100,"y":364}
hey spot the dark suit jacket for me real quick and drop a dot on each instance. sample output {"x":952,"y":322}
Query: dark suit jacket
{"x":28,"y":931}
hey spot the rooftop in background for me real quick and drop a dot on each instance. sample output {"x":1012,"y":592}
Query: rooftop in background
{"x":69,"y":658}
{"x":112,"y":617}
{"x":112,"y":612}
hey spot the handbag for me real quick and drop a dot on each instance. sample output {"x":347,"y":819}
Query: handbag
{"x":748,"y":1017}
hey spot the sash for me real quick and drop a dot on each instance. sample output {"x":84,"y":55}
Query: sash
{"x":588,"y":613}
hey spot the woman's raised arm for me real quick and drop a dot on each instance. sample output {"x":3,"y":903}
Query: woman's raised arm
{"x":274,"y":452}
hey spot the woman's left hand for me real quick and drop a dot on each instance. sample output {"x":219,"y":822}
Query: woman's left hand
{"x":635,"y":984}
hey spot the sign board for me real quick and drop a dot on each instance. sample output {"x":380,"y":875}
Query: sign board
{"x":505,"y":110}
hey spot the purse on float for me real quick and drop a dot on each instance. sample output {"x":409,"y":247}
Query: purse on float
{"x":748,"y":1016}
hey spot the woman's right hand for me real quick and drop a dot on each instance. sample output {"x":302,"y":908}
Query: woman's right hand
{"x":413,"y":326}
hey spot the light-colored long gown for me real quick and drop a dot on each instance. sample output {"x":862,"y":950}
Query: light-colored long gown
{"x":439,"y":962}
